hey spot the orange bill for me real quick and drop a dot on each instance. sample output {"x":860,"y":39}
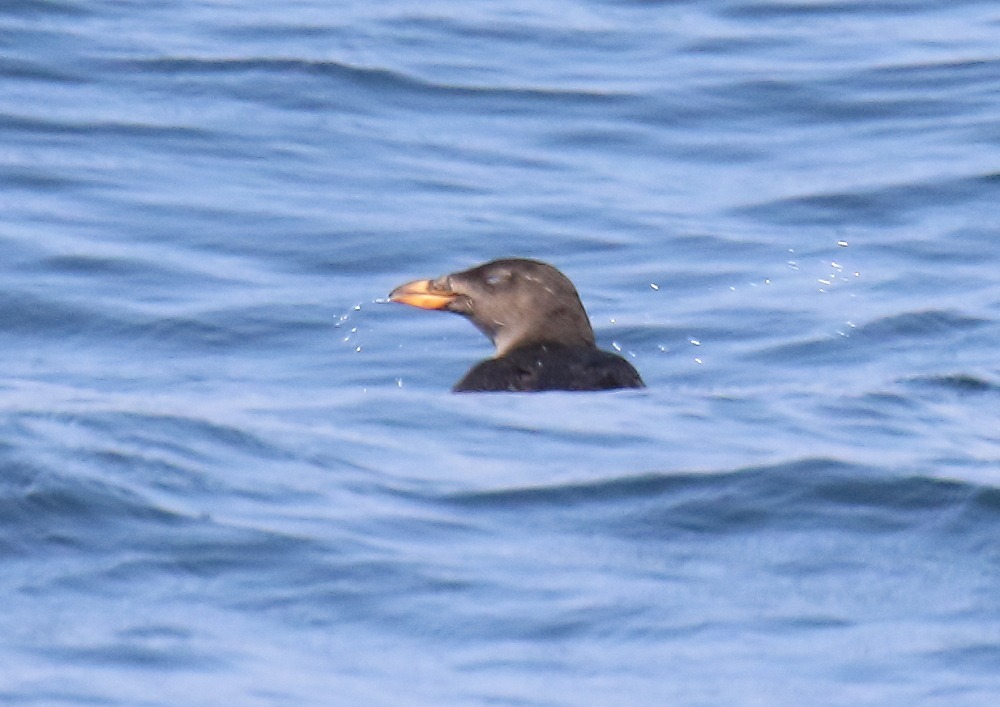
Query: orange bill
{"x":421,"y":293}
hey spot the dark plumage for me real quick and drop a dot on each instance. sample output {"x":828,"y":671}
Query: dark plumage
{"x":533,"y":315}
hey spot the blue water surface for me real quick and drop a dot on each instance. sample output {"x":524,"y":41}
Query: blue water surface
{"x":231,"y":474}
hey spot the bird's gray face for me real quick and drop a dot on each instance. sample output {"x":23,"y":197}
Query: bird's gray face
{"x":513,"y":302}
{"x":492,"y":296}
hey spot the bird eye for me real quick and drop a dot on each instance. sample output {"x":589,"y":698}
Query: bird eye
{"x":497,"y":278}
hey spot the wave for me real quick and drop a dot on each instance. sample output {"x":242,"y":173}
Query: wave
{"x":799,"y":494}
{"x":387,"y":81}
{"x":867,"y":340}
{"x":885,"y":205}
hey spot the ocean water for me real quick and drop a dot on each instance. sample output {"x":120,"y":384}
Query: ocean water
{"x":231,"y":474}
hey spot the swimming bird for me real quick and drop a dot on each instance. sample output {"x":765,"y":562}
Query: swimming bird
{"x":535,"y":319}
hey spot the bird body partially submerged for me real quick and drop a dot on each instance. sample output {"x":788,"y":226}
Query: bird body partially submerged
{"x":533,"y":315}
{"x":550,"y":367}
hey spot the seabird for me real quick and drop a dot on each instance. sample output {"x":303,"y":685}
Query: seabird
{"x":533,"y":315}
